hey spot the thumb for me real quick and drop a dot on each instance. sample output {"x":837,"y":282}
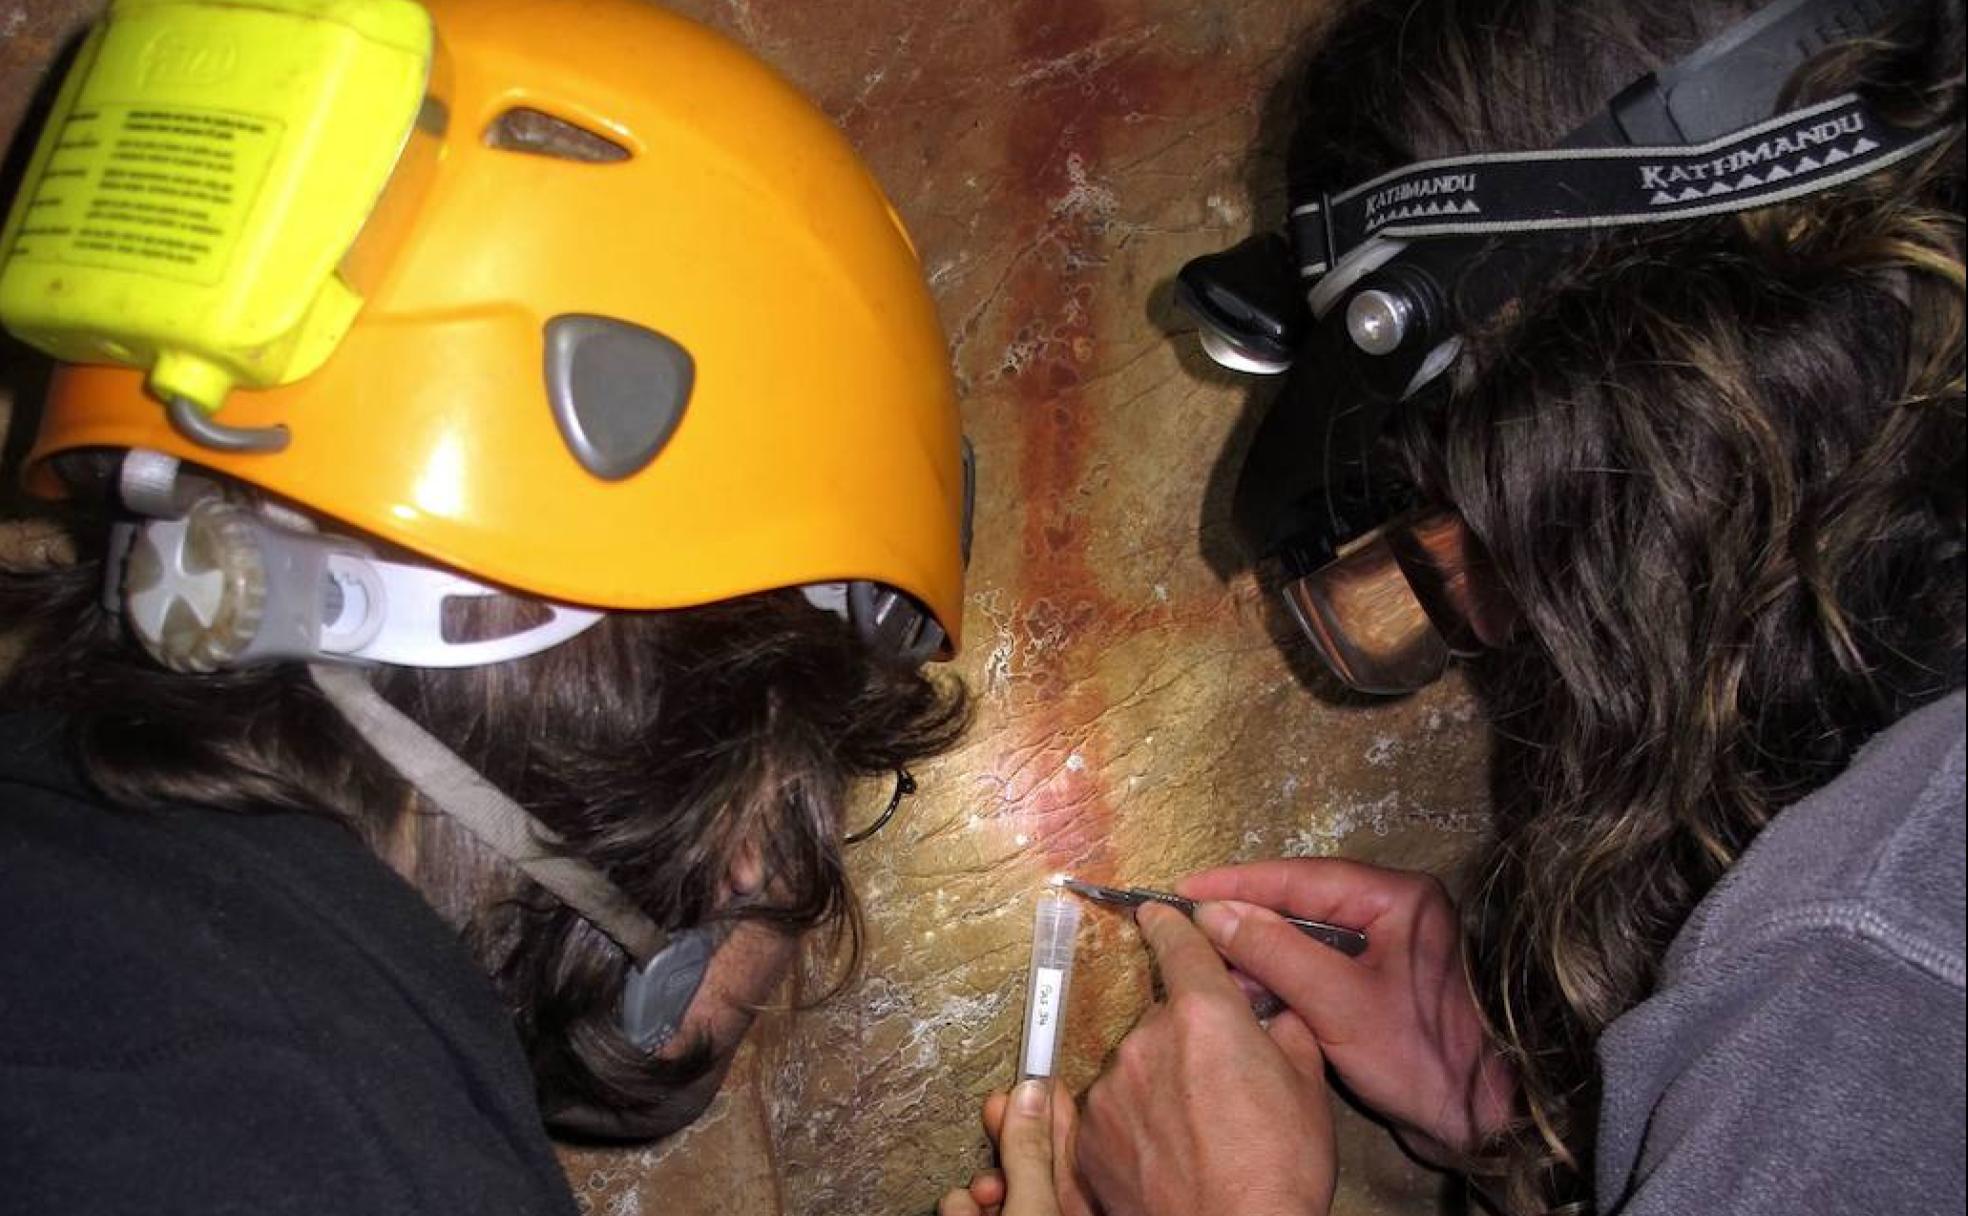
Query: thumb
{"x":1025,"y":1150}
{"x":1300,"y":1048}
{"x":1324,"y":987}
{"x":1073,"y":1198}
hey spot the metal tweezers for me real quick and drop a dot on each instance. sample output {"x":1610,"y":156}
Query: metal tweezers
{"x":1347,"y":941}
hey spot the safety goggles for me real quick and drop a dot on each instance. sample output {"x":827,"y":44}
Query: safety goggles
{"x":1361,"y":304}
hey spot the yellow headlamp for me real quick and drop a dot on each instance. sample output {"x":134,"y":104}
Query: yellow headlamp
{"x":194,"y":204}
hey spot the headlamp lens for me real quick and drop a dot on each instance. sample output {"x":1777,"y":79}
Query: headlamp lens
{"x":1231,"y":352}
{"x":1247,"y":305}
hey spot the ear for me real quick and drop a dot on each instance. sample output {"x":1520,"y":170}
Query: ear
{"x":746,"y":873}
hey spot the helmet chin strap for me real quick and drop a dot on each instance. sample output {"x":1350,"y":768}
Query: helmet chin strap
{"x":666,"y":970}
{"x":206,"y":584}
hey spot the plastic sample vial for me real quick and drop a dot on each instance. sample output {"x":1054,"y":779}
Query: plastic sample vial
{"x":1055,"y":927}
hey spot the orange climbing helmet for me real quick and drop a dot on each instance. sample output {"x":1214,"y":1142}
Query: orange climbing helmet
{"x":648,"y":336}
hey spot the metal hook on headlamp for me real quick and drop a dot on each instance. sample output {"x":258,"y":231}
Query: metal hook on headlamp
{"x":1247,"y":304}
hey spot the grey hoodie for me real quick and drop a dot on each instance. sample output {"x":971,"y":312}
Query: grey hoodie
{"x":1804,"y":1052}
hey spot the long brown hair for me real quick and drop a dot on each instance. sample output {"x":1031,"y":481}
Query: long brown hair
{"x":1718,"y":465}
{"x":657,"y":745}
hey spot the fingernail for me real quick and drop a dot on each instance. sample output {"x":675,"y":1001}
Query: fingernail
{"x":1029,"y":1098}
{"x":1218,"y":921}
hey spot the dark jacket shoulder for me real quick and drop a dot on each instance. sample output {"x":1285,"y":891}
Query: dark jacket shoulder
{"x":215,"y":1012}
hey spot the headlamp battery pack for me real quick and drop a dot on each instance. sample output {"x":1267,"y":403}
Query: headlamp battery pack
{"x":193,"y":203}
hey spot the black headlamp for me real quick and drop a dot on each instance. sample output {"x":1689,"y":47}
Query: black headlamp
{"x":1362,"y":300}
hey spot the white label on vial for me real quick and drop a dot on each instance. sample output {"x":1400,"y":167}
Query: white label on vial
{"x":1042,"y":1021}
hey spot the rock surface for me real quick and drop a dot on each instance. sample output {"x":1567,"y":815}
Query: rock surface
{"x":1142,"y":710}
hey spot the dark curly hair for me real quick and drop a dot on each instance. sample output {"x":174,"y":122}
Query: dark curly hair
{"x":1719,"y":467}
{"x":656,"y":744}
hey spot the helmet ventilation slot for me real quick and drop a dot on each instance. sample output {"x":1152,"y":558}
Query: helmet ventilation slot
{"x":523,"y":129}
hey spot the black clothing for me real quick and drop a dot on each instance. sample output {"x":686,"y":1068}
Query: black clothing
{"x":205,"y":1012}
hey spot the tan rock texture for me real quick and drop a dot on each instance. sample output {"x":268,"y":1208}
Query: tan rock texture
{"x":1142,"y":710}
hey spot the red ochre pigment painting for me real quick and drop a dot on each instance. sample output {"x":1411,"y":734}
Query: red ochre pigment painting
{"x":1139,"y":710}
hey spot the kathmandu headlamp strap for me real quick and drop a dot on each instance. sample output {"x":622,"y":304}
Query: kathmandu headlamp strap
{"x":1712,"y":103}
{"x":1499,"y":194}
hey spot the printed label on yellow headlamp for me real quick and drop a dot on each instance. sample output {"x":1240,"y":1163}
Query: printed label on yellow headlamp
{"x":148,"y":189}
{"x":207,"y":169}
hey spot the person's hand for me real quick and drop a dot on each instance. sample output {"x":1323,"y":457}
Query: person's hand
{"x":1398,"y":1023}
{"x":1202,"y":1109}
{"x":1033,"y":1129}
